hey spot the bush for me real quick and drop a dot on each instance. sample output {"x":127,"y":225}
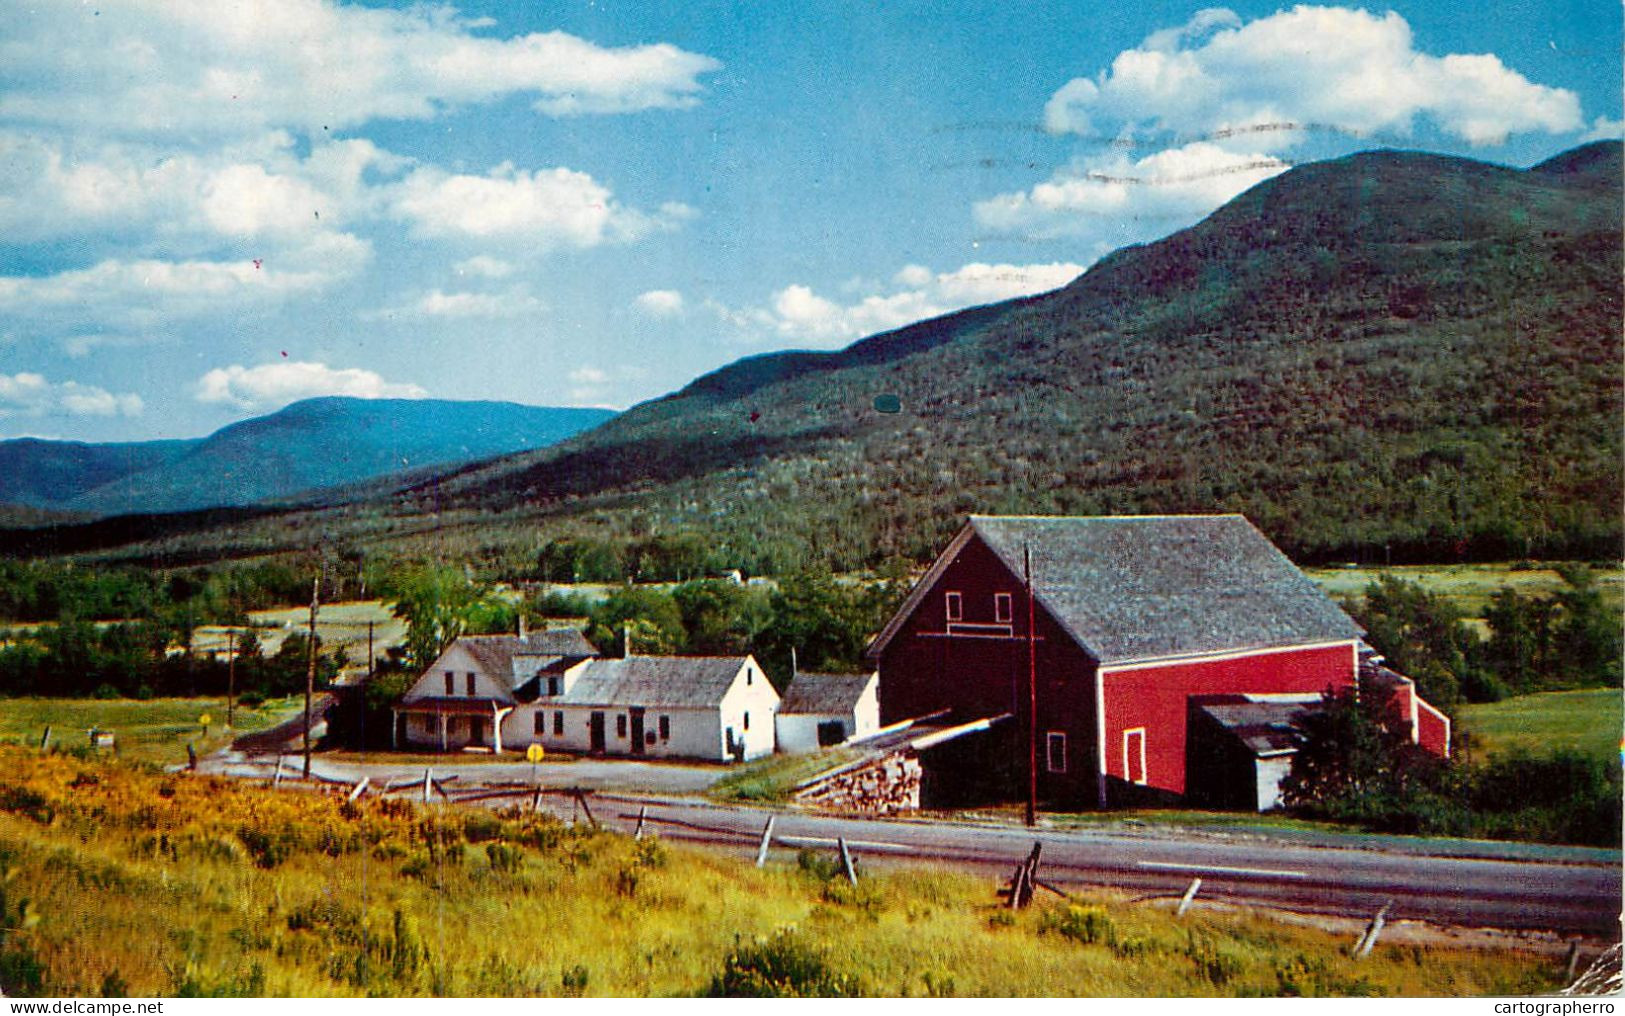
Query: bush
{"x":1089,"y":925}
{"x":780,"y":967}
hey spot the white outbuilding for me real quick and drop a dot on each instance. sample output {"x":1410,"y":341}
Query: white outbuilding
{"x":819,"y":710}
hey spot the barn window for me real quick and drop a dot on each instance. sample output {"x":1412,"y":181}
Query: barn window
{"x":956,"y":606}
{"x":1001,"y":608}
{"x":620,"y":725}
{"x":1055,"y":751}
{"x":451,"y":683}
{"x":471,"y":684}
{"x":665,"y":728}
{"x":1134,"y":755}
{"x":541,"y":723}
{"x":558,"y":724}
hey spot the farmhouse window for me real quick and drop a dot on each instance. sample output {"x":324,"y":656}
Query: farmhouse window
{"x":541,"y":723}
{"x":471,"y":684}
{"x":552,"y":686}
{"x":956,"y":606}
{"x":747,"y":721}
{"x":620,"y":725}
{"x":748,"y":677}
{"x":1055,"y":751}
{"x":1001,"y":608}
{"x":428,"y":724}
{"x":665,"y":728}
{"x":451,"y":683}
{"x":558,"y":724}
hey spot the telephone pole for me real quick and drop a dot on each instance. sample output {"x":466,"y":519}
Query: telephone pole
{"x":310,"y":666}
{"x":231,"y":677}
{"x":1032,"y":691}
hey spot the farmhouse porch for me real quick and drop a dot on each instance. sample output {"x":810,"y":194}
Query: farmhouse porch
{"x":445,"y":713}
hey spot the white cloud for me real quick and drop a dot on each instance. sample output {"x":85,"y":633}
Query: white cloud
{"x":588,"y":376}
{"x":28,"y":394}
{"x":796,"y":313}
{"x":1160,"y":192}
{"x":157,"y":67}
{"x":541,"y":208}
{"x":1310,"y":66}
{"x":144,"y":293}
{"x":660,"y":303}
{"x":273,"y":385}
{"x":1604,"y":129}
{"x":484,"y":266}
{"x":512,"y":303}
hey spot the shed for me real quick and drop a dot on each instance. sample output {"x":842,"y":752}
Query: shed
{"x":1240,"y":748}
{"x":819,"y":710}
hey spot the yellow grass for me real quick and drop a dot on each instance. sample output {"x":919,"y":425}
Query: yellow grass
{"x":151,"y":884}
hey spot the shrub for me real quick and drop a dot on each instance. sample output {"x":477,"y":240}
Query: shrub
{"x":781,"y":966}
{"x":504,"y":858}
{"x":1213,"y":964}
{"x":1089,"y":924}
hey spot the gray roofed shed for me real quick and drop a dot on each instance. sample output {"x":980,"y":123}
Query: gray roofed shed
{"x":1149,"y":587}
{"x":824,"y":693}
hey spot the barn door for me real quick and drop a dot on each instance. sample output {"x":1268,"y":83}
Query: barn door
{"x":637,"y":730}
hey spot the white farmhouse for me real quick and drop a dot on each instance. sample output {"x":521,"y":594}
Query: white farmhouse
{"x":718,"y":708}
{"x":819,"y":710}
{"x":463,"y":698}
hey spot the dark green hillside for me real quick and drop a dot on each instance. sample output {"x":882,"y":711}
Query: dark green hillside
{"x":48,"y":474}
{"x":1392,"y":352}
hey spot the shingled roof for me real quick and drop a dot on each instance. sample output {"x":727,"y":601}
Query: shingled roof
{"x":1146,"y":587}
{"x":1266,"y":727}
{"x":495,"y":653}
{"x":656,"y":682}
{"x":824,"y":693}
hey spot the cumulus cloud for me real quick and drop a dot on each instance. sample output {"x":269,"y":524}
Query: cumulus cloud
{"x":484,"y":266}
{"x":1160,"y":191}
{"x":155,"y":67}
{"x":1605,"y":129}
{"x":544,"y":207}
{"x":796,"y":313}
{"x":31,"y":395}
{"x":273,"y":385}
{"x":436,"y":303}
{"x":660,"y":303}
{"x":1324,"y":66}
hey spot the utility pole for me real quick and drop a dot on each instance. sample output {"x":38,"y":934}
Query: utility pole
{"x":1032,"y":691}
{"x":231,"y":677}
{"x":310,"y":666}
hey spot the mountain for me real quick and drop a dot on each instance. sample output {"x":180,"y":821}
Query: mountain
{"x":1390,"y":354}
{"x":309,"y":445}
{"x":1393,"y":348}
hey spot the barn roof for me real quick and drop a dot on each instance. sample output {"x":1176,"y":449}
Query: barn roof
{"x":825,"y":693}
{"x":495,"y":653}
{"x":1147,"y":587}
{"x":1264,"y":727}
{"x":674,"y":682}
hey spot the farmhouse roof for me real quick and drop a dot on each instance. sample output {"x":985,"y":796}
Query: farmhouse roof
{"x":673,"y":682}
{"x":825,"y":693}
{"x":495,"y":653}
{"x":1146,"y":587}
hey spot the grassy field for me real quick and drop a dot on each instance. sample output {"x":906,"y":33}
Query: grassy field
{"x":1467,"y":586}
{"x":1589,"y":720}
{"x":774,"y":777}
{"x":145,"y":884}
{"x":151,"y":730}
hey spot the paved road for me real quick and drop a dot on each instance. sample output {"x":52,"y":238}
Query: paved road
{"x":1572,"y":891}
{"x":1466,"y":892}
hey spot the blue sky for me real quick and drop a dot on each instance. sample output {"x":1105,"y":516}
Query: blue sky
{"x":210,"y":210}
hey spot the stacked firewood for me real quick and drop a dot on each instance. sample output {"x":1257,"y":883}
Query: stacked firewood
{"x":881,"y":786}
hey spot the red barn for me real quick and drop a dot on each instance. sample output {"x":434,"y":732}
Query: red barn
{"x":1132,"y":617}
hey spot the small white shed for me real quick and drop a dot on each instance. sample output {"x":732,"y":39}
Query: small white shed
{"x":819,"y":710}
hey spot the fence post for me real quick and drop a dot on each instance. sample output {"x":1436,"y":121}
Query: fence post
{"x":191,"y":757}
{"x":426,"y":779}
{"x":767,"y":838}
{"x":1190,"y":894}
{"x":1572,"y":963}
{"x":846,"y":860}
{"x":643,"y":812}
{"x":360,"y":787}
{"x":1368,"y":941}
{"x":45,"y":738}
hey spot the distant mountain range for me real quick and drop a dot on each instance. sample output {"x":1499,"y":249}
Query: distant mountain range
{"x":309,"y":445}
{"x":1389,"y":353}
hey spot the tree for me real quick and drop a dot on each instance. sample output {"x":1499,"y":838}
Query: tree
{"x":721,"y":617}
{"x":440,"y":604}
{"x":1355,"y":760}
{"x":1587,"y":638}
{"x":1421,"y":634}
{"x":652,"y":615}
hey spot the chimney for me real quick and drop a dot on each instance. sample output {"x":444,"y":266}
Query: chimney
{"x":626,"y":641}
{"x":522,"y":633}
